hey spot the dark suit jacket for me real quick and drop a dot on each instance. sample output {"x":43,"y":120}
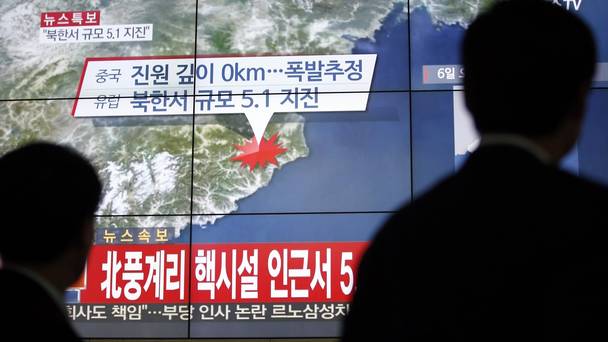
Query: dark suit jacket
{"x":506,"y":249}
{"x":29,"y":313}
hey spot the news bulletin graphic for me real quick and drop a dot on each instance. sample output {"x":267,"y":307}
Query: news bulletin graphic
{"x":84,"y":27}
{"x":139,"y":268}
{"x":239,"y":189}
{"x":255,"y":86}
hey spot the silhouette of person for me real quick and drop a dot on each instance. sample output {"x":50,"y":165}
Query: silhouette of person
{"x":48,"y":197}
{"x":509,"y":248}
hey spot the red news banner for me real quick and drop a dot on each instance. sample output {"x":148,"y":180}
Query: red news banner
{"x":72,"y":18}
{"x":222,"y":273}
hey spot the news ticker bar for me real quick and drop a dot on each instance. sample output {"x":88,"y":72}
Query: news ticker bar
{"x":116,"y":313}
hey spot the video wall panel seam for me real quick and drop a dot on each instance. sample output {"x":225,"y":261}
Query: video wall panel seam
{"x":192,"y":169}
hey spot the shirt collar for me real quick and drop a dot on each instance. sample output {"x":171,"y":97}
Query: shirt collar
{"x":516,"y":141}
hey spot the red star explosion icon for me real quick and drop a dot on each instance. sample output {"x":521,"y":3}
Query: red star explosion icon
{"x":263,"y":154}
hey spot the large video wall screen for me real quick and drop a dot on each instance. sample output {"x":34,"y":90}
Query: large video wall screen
{"x":249,"y":150}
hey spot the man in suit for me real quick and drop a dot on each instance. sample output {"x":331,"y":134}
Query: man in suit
{"x":509,"y":248}
{"x":48,"y":196}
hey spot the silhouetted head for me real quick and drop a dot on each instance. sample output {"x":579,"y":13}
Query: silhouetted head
{"x":48,"y":196}
{"x":528,"y":68}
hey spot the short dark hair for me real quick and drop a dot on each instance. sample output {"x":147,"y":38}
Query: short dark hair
{"x":47,"y":194}
{"x":525,"y":62}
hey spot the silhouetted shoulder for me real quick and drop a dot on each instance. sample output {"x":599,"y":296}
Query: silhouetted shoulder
{"x":29,"y":313}
{"x":477,"y":249}
{"x":587,"y":189}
